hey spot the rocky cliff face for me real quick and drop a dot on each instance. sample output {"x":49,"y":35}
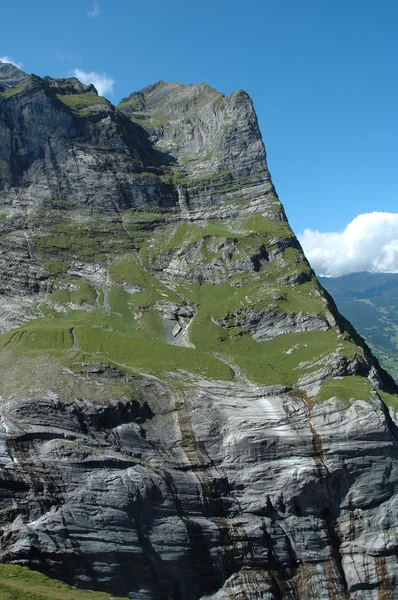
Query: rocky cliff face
{"x":184,"y":413}
{"x":10,"y":75}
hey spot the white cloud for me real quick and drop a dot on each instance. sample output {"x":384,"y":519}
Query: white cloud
{"x":7,"y":59}
{"x":103,"y":84}
{"x":368,"y":243}
{"x":95,"y":12}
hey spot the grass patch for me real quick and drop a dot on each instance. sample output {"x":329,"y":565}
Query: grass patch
{"x":39,"y":336}
{"x":85,"y":294}
{"x":273,"y":362}
{"x":269,"y":362}
{"x":254,"y":232}
{"x":116,"y":313}
{"x":390,"y":400}
{"x":20,"y":583}
{"x":212,"y":178}
{"x":78,"y":101}
{"x":347,"y":389}
{"x":64,"y":235}
{"x":268,"y":227}
{"x":13,"y":91}
{"x":61,"y":296}
{"x":151,"y":326}
{"x":152,"y":121}
{"x":125,"y":329}
{"x":224,"y":299}
{"x":115,"y":309}
{"x":128,"y":270}
{"x":147,"y":214}
{"x":123,"y":326}
{"x":187,"y":234}
{"x":175,"y":177}
{"x":151,"y":356}
{"x":55,"y":267}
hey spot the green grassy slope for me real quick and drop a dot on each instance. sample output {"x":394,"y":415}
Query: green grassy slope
{"x":20,"y":583}
{"x":117,"y":318}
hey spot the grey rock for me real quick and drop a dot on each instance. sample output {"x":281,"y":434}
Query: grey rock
{"x":176,"y":486}
{"x":10,"y":75}
{"x":241,"y":488}
{"x":272,"y":323}
{"x":197,"y":122}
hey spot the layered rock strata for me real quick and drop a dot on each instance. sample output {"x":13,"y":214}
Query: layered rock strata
{"x":184,"y":413}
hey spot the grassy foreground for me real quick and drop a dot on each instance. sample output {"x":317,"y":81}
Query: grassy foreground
{"x":20,"y":583}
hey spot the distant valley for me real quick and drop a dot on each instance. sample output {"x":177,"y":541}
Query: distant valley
{"x":370,"y":302}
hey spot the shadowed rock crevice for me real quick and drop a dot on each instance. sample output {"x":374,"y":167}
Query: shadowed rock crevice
{"x":335,"y":543}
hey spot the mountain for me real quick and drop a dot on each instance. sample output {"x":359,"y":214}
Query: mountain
{"x":184,"y":412}
{"x":370,"y":303}
{"x":10,"y":75}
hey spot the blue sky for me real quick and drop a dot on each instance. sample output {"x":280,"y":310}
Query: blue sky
{"x":322,"y":75}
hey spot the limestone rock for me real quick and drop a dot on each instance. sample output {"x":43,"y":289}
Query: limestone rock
{"x":10,"y":75}
{"x":184,"y":413}
{"x":243,"y":488}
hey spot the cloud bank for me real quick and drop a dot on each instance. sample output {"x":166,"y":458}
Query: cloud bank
{"x":103,"y":84}
{"x":368,"y":243}
{"x":7,"y":59}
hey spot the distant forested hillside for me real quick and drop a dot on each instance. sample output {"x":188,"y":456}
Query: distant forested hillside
{"x":370,"y":302}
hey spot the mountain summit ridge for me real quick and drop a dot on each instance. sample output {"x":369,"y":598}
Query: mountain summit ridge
{"x":185,"y":413}
{"x":10,"y":75}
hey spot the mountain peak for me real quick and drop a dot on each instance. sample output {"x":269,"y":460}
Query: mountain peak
{"x":10,"y":75}
{"x":70,"y":85}
{"x":204,"y":130}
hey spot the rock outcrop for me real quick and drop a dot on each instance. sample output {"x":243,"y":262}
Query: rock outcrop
{"x":10,"y":75}
{"x":184,"y":413}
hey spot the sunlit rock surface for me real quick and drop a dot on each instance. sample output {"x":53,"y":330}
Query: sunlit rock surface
{"x":184,"y":413}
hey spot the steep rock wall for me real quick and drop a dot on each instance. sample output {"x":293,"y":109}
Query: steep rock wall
{"x":184,"y":413}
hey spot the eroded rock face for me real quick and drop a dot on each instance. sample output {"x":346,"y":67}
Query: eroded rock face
{"x":195,"y":123}
{"x":10,"y":75}
{"x":184,"y":413}
{"x":214,"y":491}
